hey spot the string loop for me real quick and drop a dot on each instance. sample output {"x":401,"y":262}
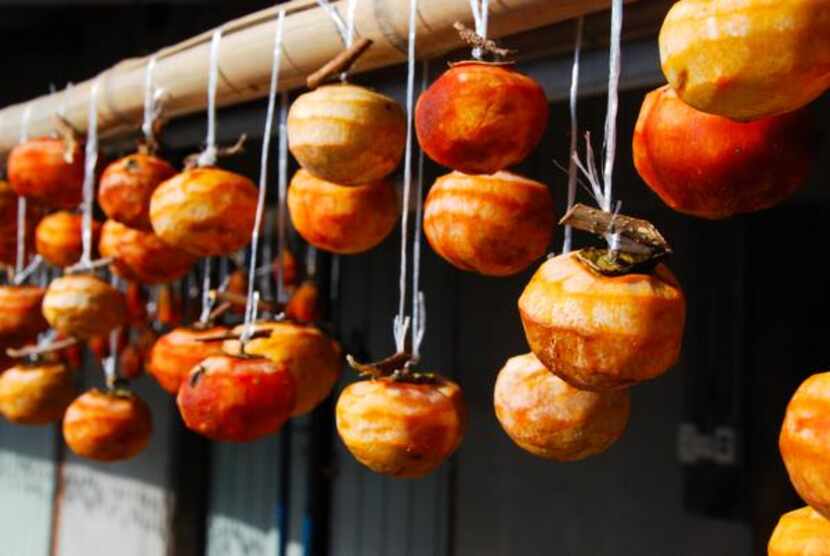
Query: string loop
{"x":253,"y":296}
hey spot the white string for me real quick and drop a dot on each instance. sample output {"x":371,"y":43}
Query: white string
{"x":572,"y":170}
{"x":351,"y":9}
{"x":208,"y":156}
{"x":149,"y":100}
{"x":334,"y":15}
{"x":250,"y":308}
{"x":25,"y":118}
{"x":20,"y":259}
{"x":23,"y":275}
{"x":480,"y":9}
{"x":614,"y":66}
{"x":89,"y":174}
{"x":207,"y":299}
{"x":111,"y":362}
{"x":418,"y":300}
{"x":401,"y":321}
{"x":282,"y":217}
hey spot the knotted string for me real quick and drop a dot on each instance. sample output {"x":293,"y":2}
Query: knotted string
{"x":90,"y":162}
{"x":572,"y":170}
{"x":253,"y":296}
{"x":401,"y":322}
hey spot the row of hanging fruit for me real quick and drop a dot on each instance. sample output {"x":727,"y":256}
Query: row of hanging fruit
{"x":728,"y":135}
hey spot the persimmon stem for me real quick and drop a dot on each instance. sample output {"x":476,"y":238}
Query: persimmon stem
{"x":84,"y":267}
{"x":475,"y":40}
{"x":339,"y":64}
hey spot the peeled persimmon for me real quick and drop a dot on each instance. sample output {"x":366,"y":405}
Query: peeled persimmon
{"x":36,"y":393}
{"x":59,"y":238}
{"x":479,"y":118}
{"x":174,"y":355}
{"x":600,"y":332}
{"x":142,"y":256}
{"x":49,"y":171}
{"x":236,"y":399}
{"x":551,"y":419}
{"x":83,"y":306}
{"x":127,"y":185}
{"x":399,"y":428}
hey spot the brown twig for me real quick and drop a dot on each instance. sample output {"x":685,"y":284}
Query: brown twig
{"x":219,"y":310}
{"x":396,"y":367}
{"x":637,"y":231}
{"x":340,"y":63}
{"x":233,"y":336}
{"x":238,"y":299}
{"x":84,"y":267}
{"x":40,"y":349}
{"x":477,"y":41}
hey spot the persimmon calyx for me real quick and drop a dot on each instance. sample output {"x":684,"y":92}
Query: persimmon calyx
{"x":397,"y":367}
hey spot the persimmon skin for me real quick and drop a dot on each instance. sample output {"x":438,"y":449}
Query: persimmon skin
{"x":106,"y":426}
{"x":36,"y":394}
{"x":804,"y":442}
{"x":346,"y":134}
{"x":127,"y":185}
{"x":142,"y":256}
{"x":83,"y":306}
{"x":38,"y":170}
{"x":304,"y":303}
{"x":340,"y":219}
{"x":235,"y":399}
{"x":480,"y":118}
{"x":495,"y":225}
{"x":602,"y":333}
{"x":713,"y":167}
{"x":174,"y":355}
{"x":20,"y":314}
{"x":716,"y":54}
{"x":803,"y":532}
{"x":59,"y":238}
{"x":549,"y":418}
{"x":205,"y":211}
{"x":399,"y":428}
{"x":309,"y":355}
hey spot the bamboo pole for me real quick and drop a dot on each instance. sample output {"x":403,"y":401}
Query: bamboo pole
{"x":310,"y":41}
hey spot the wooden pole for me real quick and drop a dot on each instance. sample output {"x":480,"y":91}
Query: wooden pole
{"x":311,"y":40}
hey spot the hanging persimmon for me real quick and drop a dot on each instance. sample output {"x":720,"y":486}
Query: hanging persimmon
{"x":480,"y":117}
{"x":83,"y":306}
{"x":236,"y":399}
{"x":36,"y":393}
{"x":310,"y":356}
{"x":551,"y":419}
{"x":107,"y":426}
{"x":142,"y":256}
{"x":127,"y":185}
{"x":59,"y":238}
{"x":290,"y":272}
{"x":20,"y":312}
{"x":304,"y":303}
{"x":401,"y":428}
{"x":49,"y":170}
{"x":602,"y":332}
{"x":802,"y":532}
{"x":342,"y":219}
{"x":346,"y":134}
{"x":713,"y":167}
{"x":495,"y":225}
{"x":804,"y":442}
{"x":205,"y":211}
{"x":174,"y":355}
{"x":716,"y":54}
